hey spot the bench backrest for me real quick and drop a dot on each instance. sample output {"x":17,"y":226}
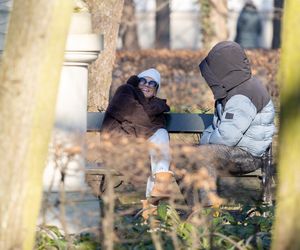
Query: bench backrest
{"x":176,"y":122}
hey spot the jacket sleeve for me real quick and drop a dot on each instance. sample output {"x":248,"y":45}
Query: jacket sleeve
{"x":125,"y":107}
{"x":156,"y":106}
{"x":208,"y":131}
{"x":206,"y":135}
{"x":238,"y":114}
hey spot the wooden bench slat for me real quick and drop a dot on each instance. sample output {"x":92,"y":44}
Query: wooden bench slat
{"x":94,"y":168}
{"x":188,"y":123}
{"x":176,"y":122}
{"x":94,"y":121}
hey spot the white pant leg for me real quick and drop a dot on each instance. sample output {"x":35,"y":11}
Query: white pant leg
{"x":159,"y":156}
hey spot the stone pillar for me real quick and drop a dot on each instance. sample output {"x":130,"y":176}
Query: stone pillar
{"x":66,"y":150}
{"x":5,"y":8}
{"x":67,"y":204}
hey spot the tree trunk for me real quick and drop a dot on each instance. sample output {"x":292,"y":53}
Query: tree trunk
{"x":29,"y":77}
{"x":106,"y":17}
{"x":278,"y":5}
{"x":128,"y":28}
{"x":287,"y":224}
{"x":213,"y":22}
{"x":162,"y":24}
{"x":218,"y":18}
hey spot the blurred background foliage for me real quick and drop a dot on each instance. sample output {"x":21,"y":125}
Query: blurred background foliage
{"x":182,"y":84}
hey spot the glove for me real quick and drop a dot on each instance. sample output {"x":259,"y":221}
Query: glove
{"x":133,"y":80}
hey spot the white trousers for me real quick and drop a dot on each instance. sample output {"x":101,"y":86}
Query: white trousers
{"x":159,"y":156}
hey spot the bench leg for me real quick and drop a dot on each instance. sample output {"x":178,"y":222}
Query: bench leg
{"x":101,"y":207}
{"x":102,"y":188}
{"x":267,"y":177}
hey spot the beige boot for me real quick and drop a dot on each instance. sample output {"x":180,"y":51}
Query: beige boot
{"x":162,"y":185}
{"x":148,"y":209}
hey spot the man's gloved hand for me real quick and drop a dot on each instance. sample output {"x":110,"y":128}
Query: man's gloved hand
{"x":133,"y":80}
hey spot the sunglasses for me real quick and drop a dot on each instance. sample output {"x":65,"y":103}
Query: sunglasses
{"x":151,"y":83}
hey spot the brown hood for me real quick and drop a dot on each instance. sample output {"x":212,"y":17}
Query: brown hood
{"x":225,"y":67}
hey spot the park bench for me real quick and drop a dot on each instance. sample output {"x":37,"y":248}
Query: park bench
{"x":183,"y":123}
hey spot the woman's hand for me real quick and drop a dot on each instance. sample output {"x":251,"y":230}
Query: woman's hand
{"x":133,"y":80}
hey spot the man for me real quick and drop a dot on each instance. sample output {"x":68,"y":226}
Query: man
{"x":243,"y":124}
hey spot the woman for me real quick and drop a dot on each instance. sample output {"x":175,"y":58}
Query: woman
{"x":136,"y":111}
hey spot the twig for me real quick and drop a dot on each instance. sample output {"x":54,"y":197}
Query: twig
{"x":154,"y":236}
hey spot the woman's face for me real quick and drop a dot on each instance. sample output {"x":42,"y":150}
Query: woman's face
{"x":146,"y":86}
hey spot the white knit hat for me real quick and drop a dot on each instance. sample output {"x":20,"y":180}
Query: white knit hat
{"x":153,"y":73}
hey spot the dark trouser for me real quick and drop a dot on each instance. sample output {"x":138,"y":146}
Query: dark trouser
{"x":218,"y":160}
